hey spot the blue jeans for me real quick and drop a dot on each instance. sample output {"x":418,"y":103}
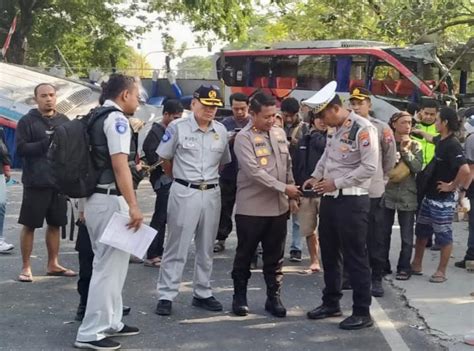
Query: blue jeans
{"x":295,"y":234}
{"x":3,"y":203}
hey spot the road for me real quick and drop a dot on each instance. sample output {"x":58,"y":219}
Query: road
{"x":40,"y":315}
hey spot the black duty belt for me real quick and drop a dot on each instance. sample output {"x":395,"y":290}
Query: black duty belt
{"x":202,"y":186}
{"x":107,"y":191}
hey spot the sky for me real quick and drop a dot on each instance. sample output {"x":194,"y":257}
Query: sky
{"x":150,"y":41}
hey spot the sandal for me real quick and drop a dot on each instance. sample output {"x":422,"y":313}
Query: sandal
{"x":154,"y":262}
{"x":438,"y":279}
{"x":402,"y":275}
{"x":25,"y":278}
{"x":63,"y":273}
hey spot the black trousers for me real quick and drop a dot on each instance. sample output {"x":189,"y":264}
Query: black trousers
{"x":271,"y":232}
{"x":376,"y":239}
{"x":406,"y":219}
{"x":86,"y":258}
{"x":228,"y":191}
{"x":343,"y":232}
{"x":158,"y":222}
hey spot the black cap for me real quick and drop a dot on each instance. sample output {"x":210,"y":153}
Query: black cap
{"x":360,"y":94}
{"x":209,"y":95}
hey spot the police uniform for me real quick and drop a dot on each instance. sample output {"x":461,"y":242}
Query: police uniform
{"x":350,"y":160}
{"x":103,"y":316}
{"x":194,"y":202}
{"x":261,"y":206}
{"x":386,"y":161}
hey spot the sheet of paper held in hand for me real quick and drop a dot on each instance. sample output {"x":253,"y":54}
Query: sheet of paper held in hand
{"x":117,"y":235}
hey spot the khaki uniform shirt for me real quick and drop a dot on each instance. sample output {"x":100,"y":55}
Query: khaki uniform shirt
{"x":264,"y":171}
{"x":351,"y":154}
{"x":196,"y":154}
{"x":387,"y":157}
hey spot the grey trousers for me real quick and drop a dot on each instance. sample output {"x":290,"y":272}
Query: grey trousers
{"x":104,"y":304}
{"x":192,"y":213}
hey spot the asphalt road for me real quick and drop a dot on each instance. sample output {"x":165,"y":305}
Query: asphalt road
{"x":40,"y":315}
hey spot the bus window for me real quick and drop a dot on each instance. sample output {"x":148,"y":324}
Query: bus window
{"x":284,"y":72}
{"x":234,"y":72}
{"x":314,"y":72}
{"x":388,"y":81}
{"x":358,"y":72}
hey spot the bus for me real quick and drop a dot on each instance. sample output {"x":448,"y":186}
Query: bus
{"x":395,"y":76}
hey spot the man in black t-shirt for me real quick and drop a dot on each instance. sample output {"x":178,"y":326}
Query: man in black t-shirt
{"x":451,"y":174}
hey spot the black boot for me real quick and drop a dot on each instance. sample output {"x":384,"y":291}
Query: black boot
{"x":275,"y":306}
{"x":273,"y":303}
{"x":239,"y":301}
{"x":239,"y":305}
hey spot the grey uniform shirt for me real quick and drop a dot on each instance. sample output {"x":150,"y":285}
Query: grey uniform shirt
{"x":264,"y":171}
{"x":196,"y":154}
{"x":387,"y":157}
{"x":351,"y":154}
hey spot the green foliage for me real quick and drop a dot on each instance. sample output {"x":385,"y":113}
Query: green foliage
{"x":397,"y":22}
{"x":196,"y":67}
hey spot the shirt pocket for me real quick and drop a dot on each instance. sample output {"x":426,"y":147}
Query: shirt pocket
{"x":217,"y":146}
{"x":191,"y":147}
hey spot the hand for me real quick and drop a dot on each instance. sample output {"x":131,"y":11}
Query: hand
{"x":136,"y":218}
{"x":139,"y":166}
{"x":445,"y":187}
{"x":292,"y":191}
{"x":325,"y":186}
{"x":294,"y":206}
{"x":417,"y":132}
{"x":82,"y":219}
{"x":310,"y":184}
{"x":405,"y":144}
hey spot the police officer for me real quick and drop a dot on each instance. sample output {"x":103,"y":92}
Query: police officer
{"x":264,"y":184}
{"x":112,"y":149}
{"x":192,"y":150}
{"x":228,"y":176}
{"x":361,"y":104}
{"x":343,"y":176}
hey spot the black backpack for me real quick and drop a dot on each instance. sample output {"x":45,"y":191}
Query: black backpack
{"x":70,"y":154}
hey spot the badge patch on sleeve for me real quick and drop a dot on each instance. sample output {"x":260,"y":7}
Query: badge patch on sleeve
{"x":166,"y":137}
{"x":364,"y":138}
{"x":121,"y":125}
{"x":387,"y":136}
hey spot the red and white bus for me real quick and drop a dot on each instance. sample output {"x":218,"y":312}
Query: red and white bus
{"x":395,"y":76}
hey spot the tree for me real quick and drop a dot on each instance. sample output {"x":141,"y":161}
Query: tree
{"x":397,"y":22}
{"x":197,"y":67}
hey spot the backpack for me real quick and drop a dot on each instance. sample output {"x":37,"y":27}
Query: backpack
{"x":70,"y":154}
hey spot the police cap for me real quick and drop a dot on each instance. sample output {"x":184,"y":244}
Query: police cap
{"x":209,"y":95}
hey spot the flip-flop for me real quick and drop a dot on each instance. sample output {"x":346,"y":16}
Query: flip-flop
{"x":437,"y":279}
{"x":413,"y":272}
{"x":310,"y":271}
{"x":64,"y":273}
{"x":402,"y":276}
{"x":155,"y":263}
{"x":25,"y":278}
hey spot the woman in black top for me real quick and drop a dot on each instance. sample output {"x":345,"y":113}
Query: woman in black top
{"x":450,"y":174}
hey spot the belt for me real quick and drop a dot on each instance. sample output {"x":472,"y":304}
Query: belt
{"x":107,"y":191}
{"x":353,"y":191}
{"x":202,"y":186}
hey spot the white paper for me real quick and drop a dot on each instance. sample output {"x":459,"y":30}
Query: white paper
{"x":117,"y":235}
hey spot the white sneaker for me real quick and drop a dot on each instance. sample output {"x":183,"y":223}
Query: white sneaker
{"x":469,"y":339}
{"x":5,"y":247}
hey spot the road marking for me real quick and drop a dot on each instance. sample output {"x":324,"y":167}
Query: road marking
{"x":388,"y":329}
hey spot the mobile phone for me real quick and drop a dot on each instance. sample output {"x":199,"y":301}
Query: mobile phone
{"x":289,"y":139}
